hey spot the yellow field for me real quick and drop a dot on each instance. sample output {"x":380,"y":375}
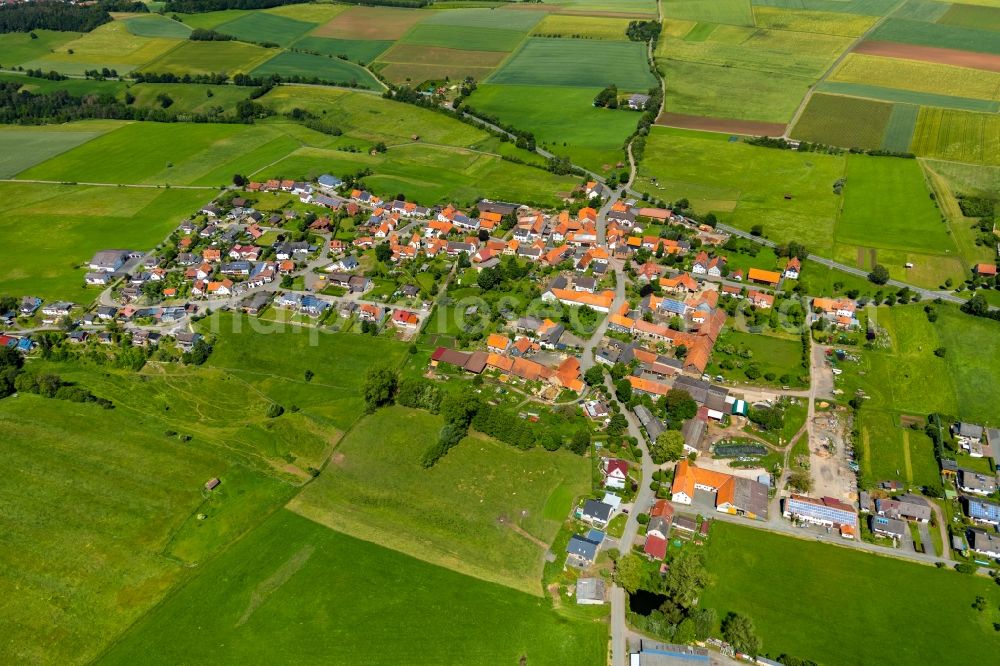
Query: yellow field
{"x":826,"y":23}
{"x":962,"y":136}
{"x":677,"y":28}
{"x":309,"y":13}
{"x":589,"y":27}
{"x":919,"y":76}
{"x":110,"y":45}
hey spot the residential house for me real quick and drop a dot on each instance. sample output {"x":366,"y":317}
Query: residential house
{"x":984,"y":543}
{"x":981,"y":511}
{"x":976,"y":482}
{"x":498,"y":344}
{"x":108,"y":261}
{"x":890,"y":527}
{"x":580,"y":552}
{"x":906,"y":507}
{"x":661,"y":515}
{"x":590,"y":591}
{"x":792,"y":268}
{"x":615,"y":473}
{"x":405,"y":319}
{"x":597,"y":513}
{"x":825,"y":511}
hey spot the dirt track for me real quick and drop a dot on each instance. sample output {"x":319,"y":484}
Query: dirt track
{"x":985,"y":61}
{"x":722,"y":125}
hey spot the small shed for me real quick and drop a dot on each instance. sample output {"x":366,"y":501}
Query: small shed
{"x":212,"y":484}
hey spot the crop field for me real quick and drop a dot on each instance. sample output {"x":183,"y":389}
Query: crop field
{"x":326,"y":68}
{"x":502,"y":18}
{"x":919,"y":76}
{"x":594,"y":138}
{"x":51,"y":230}
{"x":824,"y":23}
{"x":356,"y":50}
{"x":23,"y":147}
{"x":209,"y":58}
{"x":971,"y":16}
{"x":211,"y":20}
{"x":110,"y":45}
{"x":746,"y":185}
{"x":728,"y":92}
{"x":733,"y":12}
{"x":844,"y":121}
{"x":584,"y":27}
{"x":899,"y":130}
{"x":958,"y":135}
{"x":87,"y":519}
{"x":261,"y":27}
{"x":887,"y":204}
{"x":468,"y":527}
{"x":629,"y":7}
{"x":560,"y":62}
{"x":181,"y":154}
{"x":19,"y":47}
{"x":311,"y":13}
{"x":775,"y":51}
{"x":292,"y":590}
{"x":416,"y":64}
{"x":370,"y":23}
{"x":157,"y":26}
{"x":469,"y":38}
{"x":884,"y":94}
{"x":749,"y":565}
{"x":939,"y":35}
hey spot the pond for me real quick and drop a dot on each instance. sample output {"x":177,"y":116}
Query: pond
{"x":644,"y":602}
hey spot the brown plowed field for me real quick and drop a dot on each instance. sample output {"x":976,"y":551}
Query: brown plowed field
{"x":723,"y":125}
{"x":986,"y":61}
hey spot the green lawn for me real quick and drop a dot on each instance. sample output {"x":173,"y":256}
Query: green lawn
{"x":458,"y":514}
{"x":780,"y":356}
{"x":89,"y":516}
{"x":746,"y":185}
{"x":888,"y":451}
{"x":52,"y":230}
{"x":595,"y":137}
{"x":330,"y":69}
{"x":791,"y":588}
{"x":559,"y":62}
{"x":294,"y":590}
{"x":263,"y":28}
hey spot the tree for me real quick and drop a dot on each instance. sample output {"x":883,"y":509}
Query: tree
{"x":618,"y":424}
{"x":704,"y":622}
{"x":757,"y":230}
{"x":274,"y":410}
{"x":607,"y":97}
{"x":489,"y":278}
{"x":623,"y":390}
{"x":630,"y":572}
{"x":594,"y":376}
{"x":801,"y":480}
{"x":739,"y":631}
{"x":308,"y":375}
{"x":669,"y":445}
{"x":383,"y":252}
{"x":685,"y":632}
{"x":580,"y":443}
{"x":879,"y":274}
{"x":678,"y":405}
{"x":940,"y":352}
{"x":976,"y":305}
{"x":459,"y":408}
{"x":686,"y":578}
{"x":378,"y":387}
{"x":238,"y":180}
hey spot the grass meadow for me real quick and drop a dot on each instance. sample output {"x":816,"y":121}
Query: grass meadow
{"x":559,"y":62}
{"x":295,"y":590}
{"x":209,"y":58}
{"x":356,"y":50}
{"x":751,"y":567}
{"x":18,"y":47}
{"x":732,"y":12}
{"x":188,"y":97}
{"x":772,"y":354}
{"x":110,"y":45}
{"x":466,"y":513}
{"x":24,"y":147}
{"x":594,"y":138}
{"x":820,"y":22}
{"x":53,"y":230}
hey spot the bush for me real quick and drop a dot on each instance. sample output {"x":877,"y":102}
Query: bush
{"x":274,"y":410}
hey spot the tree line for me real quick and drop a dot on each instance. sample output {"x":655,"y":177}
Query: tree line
{"x":61,"y":16}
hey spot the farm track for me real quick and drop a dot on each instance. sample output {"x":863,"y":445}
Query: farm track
{"x":132,"y":185}
{"x":836,"y":63}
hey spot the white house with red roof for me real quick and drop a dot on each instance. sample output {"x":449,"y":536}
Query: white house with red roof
{"x":615,"y":473}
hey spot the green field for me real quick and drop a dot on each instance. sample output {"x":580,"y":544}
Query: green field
{"x":52,"y":230}
{"x":499,"y":18}
{"x":209,"y":58}
{"x":729,"y":92}
{"x":72,"y":86}
{"x":356,"y":50}
{"x":746,"y":185}
{"x":110,"y":45}
{"x":157,"y":26}
{"x":750,"y":566}
{"x":189,"y":97}
{"x":889,"y":451}
{"x":937,"y":34}
{"x":771,"y":354}
{"x":294,"y":590}
{"x":844,"y":121}
{"x":899,"y":130}
{"x":957,"y":135}
{"x":907,"y":96}
{"x":18,"y":47}
{"x":595,"y":137}
{"x":925,"y":77}
{"x":326,"y":68}
{"x":180,"y":154}
{"x":635,"y":7}
{"x":560,"y":62}
{"x":211,"y":20}
{"x":887,"y":205}
{"x":23,"y":147}
{"x":265,"y":28}
{"x":87,"y":520}
{"x":971,"y":16}
{"x":733,"y":12}
{"x":465,"y":528}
